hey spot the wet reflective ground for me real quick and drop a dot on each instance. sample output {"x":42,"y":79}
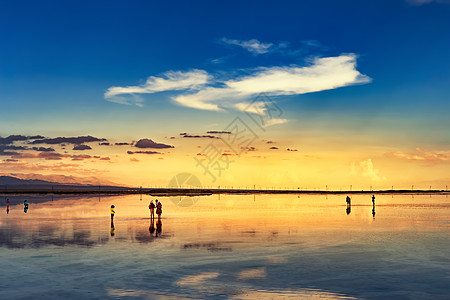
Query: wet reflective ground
{"x":227,"y":247}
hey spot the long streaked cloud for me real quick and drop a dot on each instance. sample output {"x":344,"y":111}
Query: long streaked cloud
{"x":253,"y":46}
{"x":424,"y":155}
{"x":69,"y":140}
{"x":321,"y":74}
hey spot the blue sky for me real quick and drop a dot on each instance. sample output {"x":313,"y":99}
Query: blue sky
{"x":65,"y":67}
{"x":67,"y":53}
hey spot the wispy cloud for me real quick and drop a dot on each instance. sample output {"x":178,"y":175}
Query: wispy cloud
{"x":169,"y":81}
{"x":422,"y":155}
{"x":422,"y":2}
{"x":253,"y":46}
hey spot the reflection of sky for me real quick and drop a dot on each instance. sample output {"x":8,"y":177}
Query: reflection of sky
{"x":239,"y":246}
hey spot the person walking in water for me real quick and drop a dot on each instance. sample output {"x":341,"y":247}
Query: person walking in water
{"x":158,"y":209}
{"x":152,"y":206}
{"x":112,"y":213}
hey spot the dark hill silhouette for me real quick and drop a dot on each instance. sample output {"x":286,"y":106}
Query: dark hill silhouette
{"x":10,"y":180}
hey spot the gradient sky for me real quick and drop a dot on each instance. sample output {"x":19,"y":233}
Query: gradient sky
{"x":362,"y":88}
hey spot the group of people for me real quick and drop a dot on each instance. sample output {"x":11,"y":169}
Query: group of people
{"x":152,"y":207}
{"x":158,"y":207}
{"x":25,"y":206}
{"x":349,"y":205}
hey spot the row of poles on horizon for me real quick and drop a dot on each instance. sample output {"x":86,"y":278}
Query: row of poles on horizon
{"x":327,"y":188}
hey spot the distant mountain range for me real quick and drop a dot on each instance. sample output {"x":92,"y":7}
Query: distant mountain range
{"x":34,"y":179}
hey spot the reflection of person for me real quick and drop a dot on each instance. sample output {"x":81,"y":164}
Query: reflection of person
{"x":25,"y":206}
{"x":373,"y":211}
{"x":158,"y":227}
{"x":112,"y":213}
{"x":158,"y":209}
{"x":152,"y":206}
{"x":152,"y":225}
{"x":348,"y":210}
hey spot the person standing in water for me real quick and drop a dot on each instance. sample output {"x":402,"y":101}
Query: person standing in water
{"x":373,"y":200}
{"x":25,"y":206}
{"x":112,"y":213}
{"x":348,"y":210}
{"x":158,"y":209}
{"x":152,"y":206}
{"x":7,"y":206}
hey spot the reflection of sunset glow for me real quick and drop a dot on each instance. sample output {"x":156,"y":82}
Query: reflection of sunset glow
{"x":234,"y":244}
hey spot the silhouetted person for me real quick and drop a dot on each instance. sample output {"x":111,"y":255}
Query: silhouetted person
{"x":158,"y":209}
{"x":112,"y":213}
{"x":113,"y":229}
{"x":348,"y":210}
{"x":152,"y":206}
{"x":373,"y":211}
{"x":158,"y":227}
{"x":152,"y":225}
{"x":25,"y":206}
{"x":7,"y":206}
{"x":373,"y":200}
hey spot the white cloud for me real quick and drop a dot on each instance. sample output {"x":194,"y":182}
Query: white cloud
{"x":365,"y":168}
{"x":275,"y":121}
{"x":321,"y":74}
{"x":253,"y":46}
{"x":174,"y":80}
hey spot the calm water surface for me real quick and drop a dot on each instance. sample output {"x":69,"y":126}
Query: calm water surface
{"x":227,"y":247}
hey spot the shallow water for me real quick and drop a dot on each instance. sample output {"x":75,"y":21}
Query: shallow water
{"x":226,"y":247}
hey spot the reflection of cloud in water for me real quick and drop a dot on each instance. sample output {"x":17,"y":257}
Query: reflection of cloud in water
{"x":196,"y":280}
{"x":47,"y":236}
{"x":280,"y":294}
{"x":252,"y":273}
{"x":277,"y":260}
{"x":17,"y":234}
{"x":143,"y":294}
{"x":208,"y":281}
